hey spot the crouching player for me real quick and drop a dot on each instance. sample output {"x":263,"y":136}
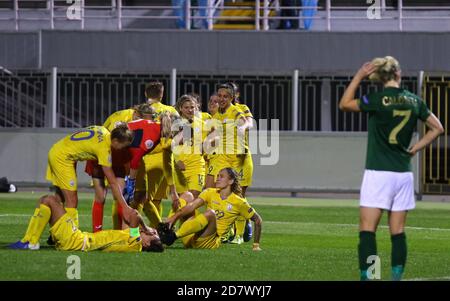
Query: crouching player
{"x":92,"y":143}
{"x":207,"y":230}
{"x":68,"y":237}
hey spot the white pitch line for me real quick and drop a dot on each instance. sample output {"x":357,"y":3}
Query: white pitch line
{"x":428,"y":279}
{"x":273,"y":222}
{"x":355,"y":225}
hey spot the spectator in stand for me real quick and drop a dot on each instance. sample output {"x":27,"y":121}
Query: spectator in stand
{"x":309,"y":9}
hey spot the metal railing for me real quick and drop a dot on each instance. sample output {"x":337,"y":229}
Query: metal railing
{"x":263,"y":16}
{"x":300,"y":101}
{"x":435,"y":177}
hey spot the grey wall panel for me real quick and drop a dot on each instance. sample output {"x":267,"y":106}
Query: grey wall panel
{"x":222,"y":51}
{"x":19,"y":50}
{"x":307,"y":161}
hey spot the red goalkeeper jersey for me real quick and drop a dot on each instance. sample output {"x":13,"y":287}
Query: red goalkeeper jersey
{"x":146,"y":135}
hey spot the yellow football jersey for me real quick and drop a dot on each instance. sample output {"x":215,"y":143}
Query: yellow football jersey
{"x":117,"y":117}
{"x":227,"y":210}
{"x":229,"y":120}
{"x":91,"y":143}
{"x":244,"y":109}
{"x":190,"y":152}
{"x":206,"y":116}
{"x":113,"y":241}
{"x":68,"y":237}
{"x":161,"y":108}
{"x":246,"y":113}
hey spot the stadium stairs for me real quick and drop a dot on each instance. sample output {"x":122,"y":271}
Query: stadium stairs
{"x":245,"y":10}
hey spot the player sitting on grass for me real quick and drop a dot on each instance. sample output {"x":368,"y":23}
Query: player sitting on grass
{"x":207,"y":230}
{"x":68,"y":237}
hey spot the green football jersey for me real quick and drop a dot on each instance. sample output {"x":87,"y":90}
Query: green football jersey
{"x":393,"y":115}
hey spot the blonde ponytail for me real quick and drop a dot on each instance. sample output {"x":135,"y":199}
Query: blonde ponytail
{"x":166,"y":124}
{"x":387,"y":68}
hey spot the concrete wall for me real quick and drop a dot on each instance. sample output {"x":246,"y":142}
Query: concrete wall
{"x":307,"y":161}
{"x":220,"y":52}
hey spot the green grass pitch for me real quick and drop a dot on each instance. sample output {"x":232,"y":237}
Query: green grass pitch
{"x":302,"y":239}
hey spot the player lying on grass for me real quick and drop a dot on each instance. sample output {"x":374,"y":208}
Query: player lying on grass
{"x":207,"y":230}
{"x":388,"y":182}
{"x":68,"y":237}
{"x":92,"y":143}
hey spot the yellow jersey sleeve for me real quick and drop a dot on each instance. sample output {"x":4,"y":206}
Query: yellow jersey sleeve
{"x":103,"y":151}
{"x":161,"y":108}
{"x":206,"y":195}
{"x":206,"y":116}
{"x":245,"y":110}
{"x":117,"y":117}
{"x":245,"y":210}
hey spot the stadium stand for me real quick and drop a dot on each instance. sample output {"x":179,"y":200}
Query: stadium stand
{"x":332,"y":15}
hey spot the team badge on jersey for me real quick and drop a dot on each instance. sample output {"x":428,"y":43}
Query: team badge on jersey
{"x":229,"y":207}
{"x":365,"y":99}
{"x":149,"y":144}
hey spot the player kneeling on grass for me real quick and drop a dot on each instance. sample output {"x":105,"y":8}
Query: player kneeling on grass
{"x":68,"y":237}
{"x":207,"y":230}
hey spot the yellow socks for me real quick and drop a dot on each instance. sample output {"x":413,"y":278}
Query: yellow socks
{"x":37,"y":224}
{"x":240,"y":226}
{"x":159,"y":207}
{"x":192,"y":225}
{"x":152,"y":213}
{"x":31,"y":226}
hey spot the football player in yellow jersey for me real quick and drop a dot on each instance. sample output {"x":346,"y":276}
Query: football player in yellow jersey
{"x":92,"y":143}
{"x":246,"y":162}
{"x":68,"y":237}
{"x":155,"y":175}
{"x":243,"y":230}
{"x":207,"y":230}
{"x":230,"y":126}
{"x":120,"y":161}
{"x":189,"y":164}
{"x":213,"y":106}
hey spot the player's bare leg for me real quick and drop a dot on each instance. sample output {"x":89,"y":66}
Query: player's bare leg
{"x":210,"y":181}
